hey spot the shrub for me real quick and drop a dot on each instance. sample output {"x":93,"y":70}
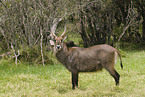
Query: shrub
{"x":33,"y":55}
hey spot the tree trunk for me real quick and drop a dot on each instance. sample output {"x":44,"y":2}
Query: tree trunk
{"x":143,"y":26}
{"x":82,"y":32}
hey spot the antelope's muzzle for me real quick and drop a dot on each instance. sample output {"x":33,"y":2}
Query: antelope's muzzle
{"x":58,"y":47}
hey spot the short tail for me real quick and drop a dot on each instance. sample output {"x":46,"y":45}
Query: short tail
{"x":120,"y":59}
{"x":121,"y":65}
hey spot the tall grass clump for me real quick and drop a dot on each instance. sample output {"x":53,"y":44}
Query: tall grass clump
{"x":31,"y":55}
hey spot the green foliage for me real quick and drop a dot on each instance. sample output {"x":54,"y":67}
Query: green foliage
{"x":132,"y":46}
{"x":33,"y":55}
{"x":55,"y":81}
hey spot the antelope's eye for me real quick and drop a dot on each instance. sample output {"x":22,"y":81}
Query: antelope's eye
{"x":54,"y":40}
{"x":61,"y":40}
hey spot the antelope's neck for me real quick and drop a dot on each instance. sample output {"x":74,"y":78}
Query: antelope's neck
{"x":62,"y":55}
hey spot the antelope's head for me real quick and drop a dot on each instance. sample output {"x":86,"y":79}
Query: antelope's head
{"x":58,"y":42}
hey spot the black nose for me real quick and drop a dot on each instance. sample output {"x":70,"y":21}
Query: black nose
{"x":58,"y":46}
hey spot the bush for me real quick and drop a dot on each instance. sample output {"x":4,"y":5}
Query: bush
{"x":33,"y":56}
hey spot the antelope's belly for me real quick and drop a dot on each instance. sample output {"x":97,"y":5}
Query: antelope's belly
{"x":89,"y":67}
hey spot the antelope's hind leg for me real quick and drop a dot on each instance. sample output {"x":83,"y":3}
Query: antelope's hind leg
{"x":115,"y":75}
{"x":117,"y":79}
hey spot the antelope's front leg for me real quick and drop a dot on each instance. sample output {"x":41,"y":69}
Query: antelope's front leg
{"x":74,"y":79}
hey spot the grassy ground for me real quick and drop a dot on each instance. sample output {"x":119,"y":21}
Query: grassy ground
{"x":55,"y":81}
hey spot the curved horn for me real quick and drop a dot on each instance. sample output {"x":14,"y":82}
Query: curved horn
{"x":64,"y":30}
{"x":53,"y":28}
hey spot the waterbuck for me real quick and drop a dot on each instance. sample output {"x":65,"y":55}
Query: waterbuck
{"x":90,"y":59}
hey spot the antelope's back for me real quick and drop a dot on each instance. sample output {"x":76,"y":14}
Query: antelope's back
{"x":96,"y":51}
{"x":92,"y":58}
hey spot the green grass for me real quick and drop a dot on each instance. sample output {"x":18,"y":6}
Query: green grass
{"x":55,"y":81}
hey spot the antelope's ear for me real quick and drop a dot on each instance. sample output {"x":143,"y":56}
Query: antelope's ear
{"x":64,"y":37}
{"x":51,"y":42}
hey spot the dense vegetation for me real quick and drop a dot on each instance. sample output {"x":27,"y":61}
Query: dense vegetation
{"x":25,"y":25}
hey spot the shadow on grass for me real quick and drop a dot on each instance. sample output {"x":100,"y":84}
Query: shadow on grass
{"x":62,"y":90}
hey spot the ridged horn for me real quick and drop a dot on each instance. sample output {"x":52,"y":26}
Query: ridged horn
{"x":53,"y":28}
{"x":64,"y":30}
